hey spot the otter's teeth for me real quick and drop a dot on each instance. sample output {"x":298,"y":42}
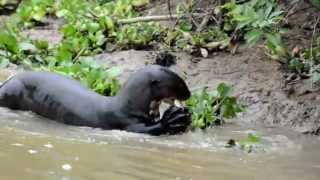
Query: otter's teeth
{"x":178,"y":103}
{"x":154,"y":109}
{"x":165,"y":105}
{"x":169,"y":101}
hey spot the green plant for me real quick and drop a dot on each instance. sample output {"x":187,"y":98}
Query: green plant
{"x":258,"y":19}
{"x":209,"y":108}
{"x":16,"y":49}
{"x":37,"y":55}
{"x":94,"y":27}
{"x":86,"y":70}
{"x":308,"y":62}
{"x":315,"y":3}
{"x":9,"y":42}
{"x":251,"y":140}
{"x":31,"y":11}
{"x":249,"y":144}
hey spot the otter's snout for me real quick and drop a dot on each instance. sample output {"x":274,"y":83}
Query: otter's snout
{"x":183,"y":92}
{"x":185,"y":95}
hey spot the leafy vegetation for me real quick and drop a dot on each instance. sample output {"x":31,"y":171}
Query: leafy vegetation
{"x":92,"y":27}
{"x":307,"y":62}
{"x":100,"y":79}
{"x":315,"y":3}
{"x":210,"y":108}
{"x":257,"y":20}
{"x":249,"y":144}
{"x":33,"y":11}
{"x":39,"y":55}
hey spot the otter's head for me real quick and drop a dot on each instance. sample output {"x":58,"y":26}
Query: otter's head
{"x":165,"y":84}
{"x":147,"y":87}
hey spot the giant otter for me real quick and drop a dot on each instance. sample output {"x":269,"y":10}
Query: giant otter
{"x":63,"y":99}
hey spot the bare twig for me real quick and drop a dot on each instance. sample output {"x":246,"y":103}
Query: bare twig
{"x":206,"y":19}
{"x":311,"y":47}
{"x":193,"y":21}
{"x":154,"y":18}
{"x":313,"y":35}
{"x":291,"y":9}
{"x":297,"y":11}
{"x":75,"y":59}
{"x":92,"y":13}
{"x":169,"y":8}
{"x":203,"y":23}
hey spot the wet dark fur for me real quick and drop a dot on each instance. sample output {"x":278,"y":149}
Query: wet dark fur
{"x":65,"y":100}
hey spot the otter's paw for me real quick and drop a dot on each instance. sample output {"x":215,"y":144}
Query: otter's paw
{"x":176,"y":120}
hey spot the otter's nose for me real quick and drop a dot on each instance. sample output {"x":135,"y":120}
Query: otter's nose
{"x":184,"y":95}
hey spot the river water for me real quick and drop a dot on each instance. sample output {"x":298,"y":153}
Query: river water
{"x":35,"y":148}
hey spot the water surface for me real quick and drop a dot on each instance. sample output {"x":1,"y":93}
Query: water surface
{"x":34,"y":148}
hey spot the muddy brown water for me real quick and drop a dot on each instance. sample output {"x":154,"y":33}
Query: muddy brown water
{"x":34,"y":148}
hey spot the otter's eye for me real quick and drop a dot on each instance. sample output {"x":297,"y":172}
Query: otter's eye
{"x":155,"y":81}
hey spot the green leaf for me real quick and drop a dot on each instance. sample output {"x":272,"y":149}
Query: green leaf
{"x":140,"y":3}
{"x":114,"y":72}
{"x":253,"y":36}
{"x":276,"y":13}
{"x":39,"y":15}
{"x":62,"y":13}
{"x":208,"y":107}
{"x":9,"y":41}
{"x":42,"y":44}
{"x":68,"y":30}
{"x":109,"y":23}
{"x":26,"y":46}
{"x":64,"y":55}
{"x":228,"y":109}
{"x":276,"y":44}
{"x":315,"y":3}
{"x":93,"y":27}
{"x":253,"y":138}
{"x":274,"y":39}
{"x":185,"y":26}
{"x":4,"y":62}
{"x":230,"y":6}
{"x":296,"y":65}
{"x":315,"y":77}
{"x":99,"y":38}
{"x":224,"y":90}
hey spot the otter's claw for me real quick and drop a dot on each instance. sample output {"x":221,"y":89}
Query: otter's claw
{"x":176,"y":119}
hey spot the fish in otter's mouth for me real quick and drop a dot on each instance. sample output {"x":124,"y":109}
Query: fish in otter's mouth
{"x":156,"y":112}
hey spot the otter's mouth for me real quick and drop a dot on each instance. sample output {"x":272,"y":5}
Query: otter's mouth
{"x":158,"y":107}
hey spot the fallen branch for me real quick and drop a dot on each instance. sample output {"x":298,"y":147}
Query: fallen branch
{"x":79,"y":54}
{"x":155,"y":18}
{"x":203,"y":23}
